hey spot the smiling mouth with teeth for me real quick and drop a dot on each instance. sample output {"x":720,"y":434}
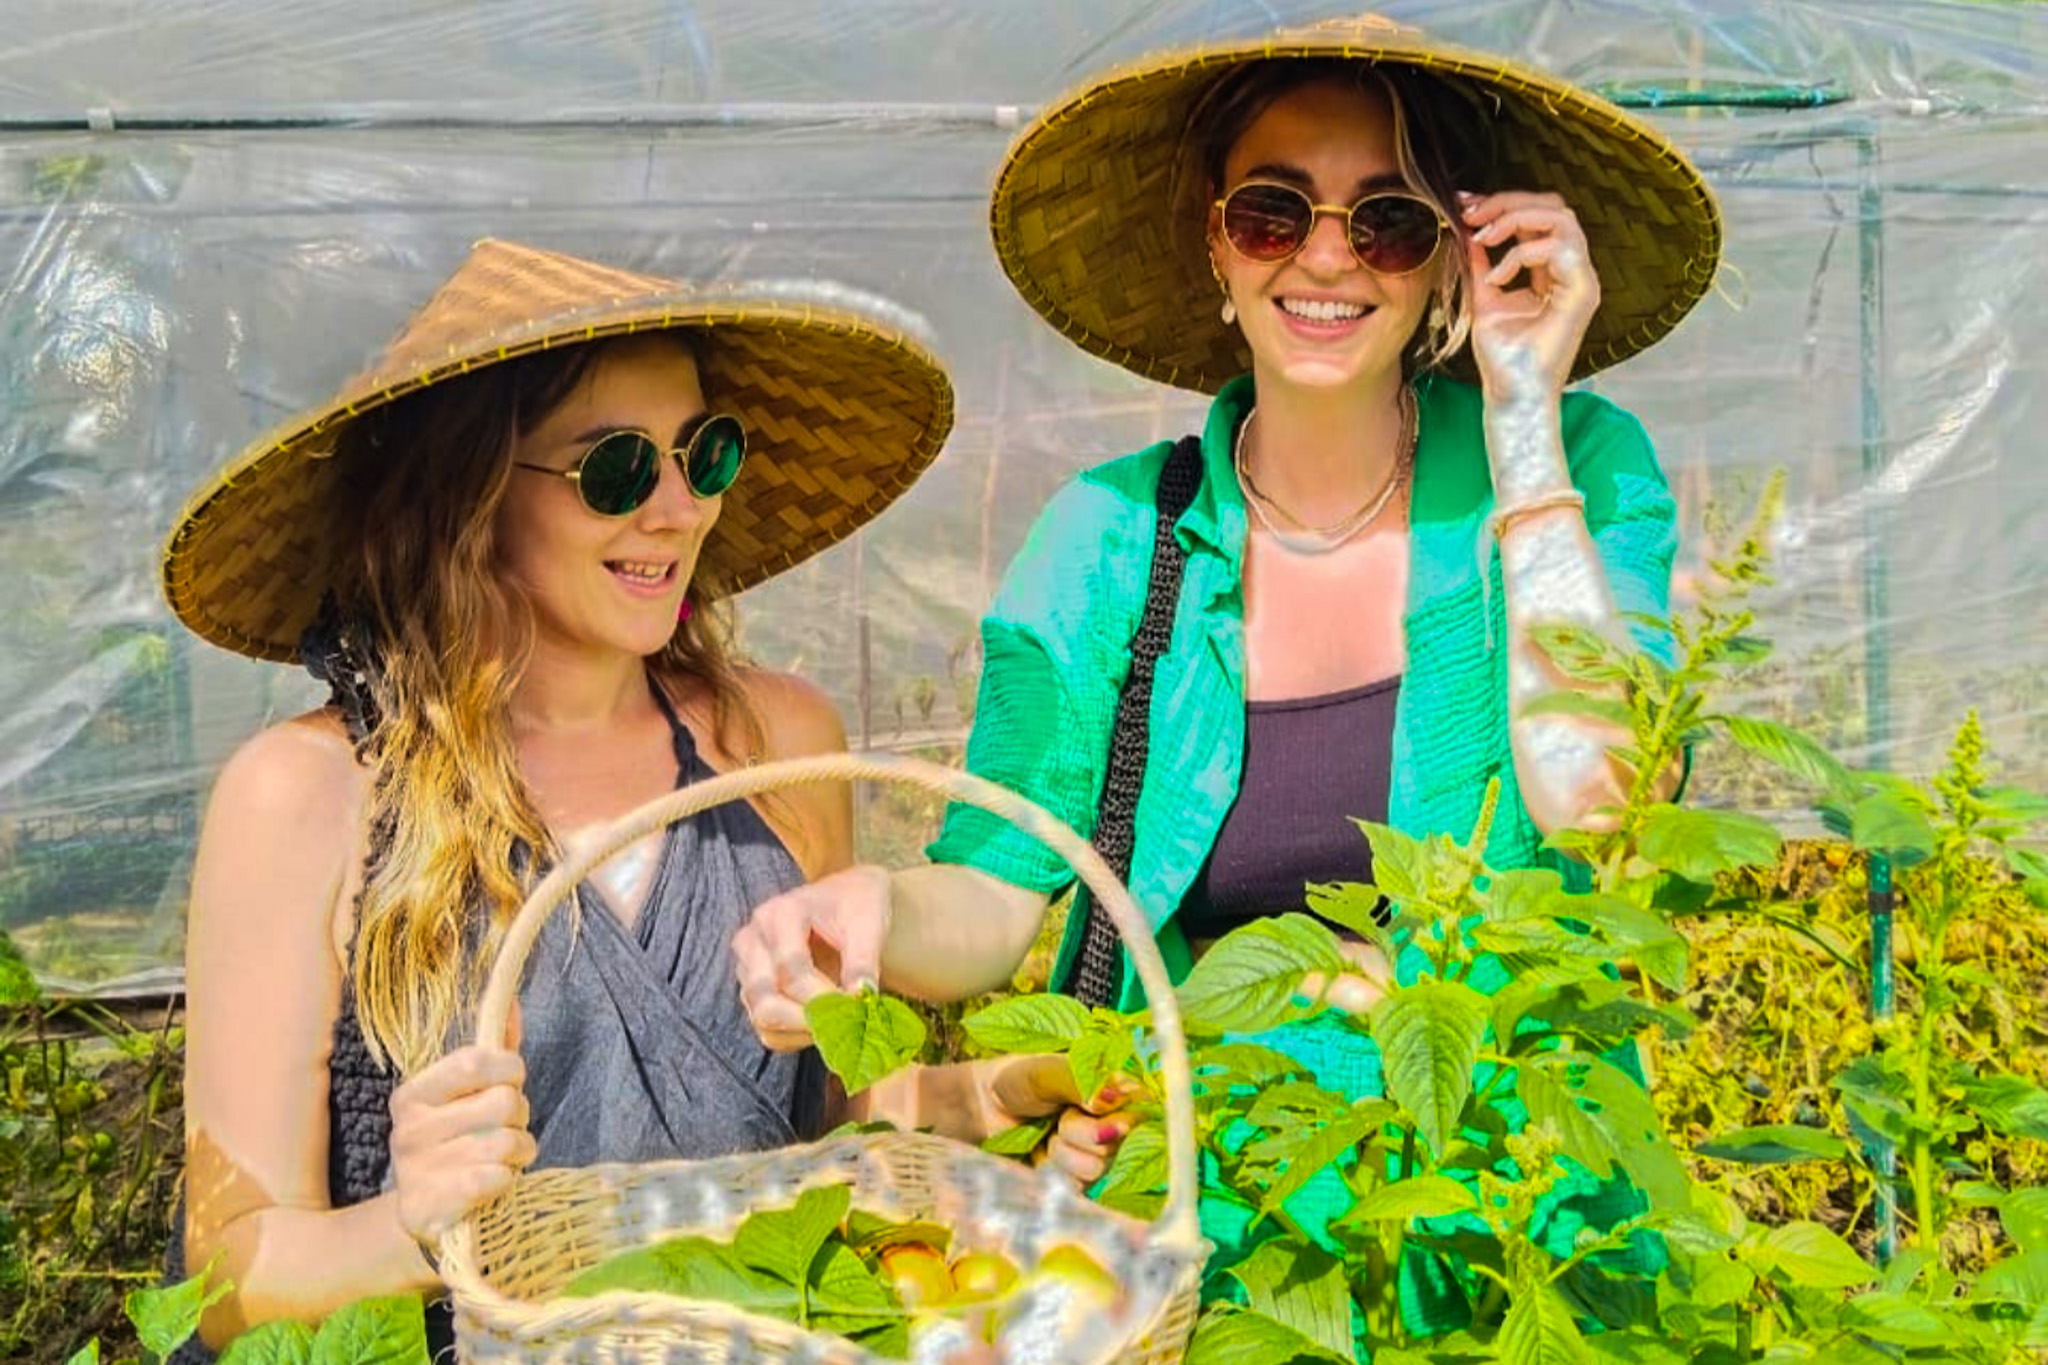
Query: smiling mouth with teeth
{"x":648,"y":574}
{"x":1323,"y":310}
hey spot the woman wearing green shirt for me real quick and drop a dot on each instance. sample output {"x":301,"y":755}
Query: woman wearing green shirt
{"x":1386,"y":258}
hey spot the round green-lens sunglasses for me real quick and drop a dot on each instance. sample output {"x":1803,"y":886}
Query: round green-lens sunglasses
{"x":620,"y":472}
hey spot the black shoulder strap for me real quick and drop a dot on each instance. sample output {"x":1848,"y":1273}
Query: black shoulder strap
{"x":1098,"y":968}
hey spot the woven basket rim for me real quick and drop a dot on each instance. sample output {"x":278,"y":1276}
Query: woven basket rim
{"x":859,"y":341}
{"x":1695,"y":237}
{"x":654,"y":1309}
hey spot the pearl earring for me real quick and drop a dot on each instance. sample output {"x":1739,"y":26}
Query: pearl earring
{"x":1229,"y":311}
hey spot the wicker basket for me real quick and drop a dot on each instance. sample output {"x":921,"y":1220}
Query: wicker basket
{"x":507,"y":1259}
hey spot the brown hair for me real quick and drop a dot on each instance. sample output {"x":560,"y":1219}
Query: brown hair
{"x":1441,"y":135}
{"x":423,"y":479}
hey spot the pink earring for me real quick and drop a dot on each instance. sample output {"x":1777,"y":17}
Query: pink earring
{"x":683,"y":613}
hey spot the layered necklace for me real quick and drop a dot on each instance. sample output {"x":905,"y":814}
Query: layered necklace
{"x":1299,"y":537}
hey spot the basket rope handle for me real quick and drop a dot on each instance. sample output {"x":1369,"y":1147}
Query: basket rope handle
{"x":1178,"y":1220}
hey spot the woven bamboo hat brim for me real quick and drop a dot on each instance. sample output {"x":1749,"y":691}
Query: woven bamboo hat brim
{"x":844,"y":408}
{"x":1084,"y":206}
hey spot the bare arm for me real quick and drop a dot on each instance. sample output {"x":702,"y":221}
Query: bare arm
{"x":263,"y":989}
{"x":1525,"y":340}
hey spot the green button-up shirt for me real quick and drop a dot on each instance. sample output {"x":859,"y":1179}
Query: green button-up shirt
{"x":1056,"y":648}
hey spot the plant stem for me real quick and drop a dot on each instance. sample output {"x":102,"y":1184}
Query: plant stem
{"x":1928,"y":1233}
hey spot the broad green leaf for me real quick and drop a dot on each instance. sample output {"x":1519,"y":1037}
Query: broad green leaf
{"x":277,"y":1342}
{"x":1293,"y":1103}
{"x":165,"y":1318}
{"x":1568,"y":703}
{"x":1398,"y":861}
{"x":88,"y":1354}
{"x":1643,"y":934}
{"x":1248,"y":981}
{"x":1429,"y":1038}
{"x":1897,"y":1275}
{"x":1522,"y":893}
{"x":389,"y":1330}
{"x":1539,"y":1331}
{"x":1884,"y":823}
{"x":690,"y":1268}
{"x":866,"y":1231}
{"x":1715,"y":1280}
{"x":1235,"y":1336}
{"x":844,"y":1289}
{"x":1020,"y":1139}
{"x":1632,"y":1348}
{"x":1877,"y":1096}
{"x":1300,"y":1286}
{"x":1810,"y":1256}
{"x":1795,"y":753}
{"x":1896,"y":1320}
{"x":785,"y":1242}
{"x":1605,"y":1118}
{"x":2025,"y":1215}
{"x":864,"y":1037}
{"x":2008,"y":1105}
{"x":2021,"y":1279}
{"x":1304,"y":1154}
{"x":2014,"y":805}
{"x":1428,"y":1196}
{"x":1136,"y":1180}
{"x":1601,"y":1013}
{"x":1700,"y":844}
{"x":1228,"y":1065}
{"x":1689,"y":1231}
{"x":1356,"y":906}
{"x":1774,"y":1145}
{"x":1028,"y":1023}
{"x":1097,"y":1055}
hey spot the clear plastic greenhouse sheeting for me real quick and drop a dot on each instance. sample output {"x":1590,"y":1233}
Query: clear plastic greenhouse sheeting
{"x":215,"y":214}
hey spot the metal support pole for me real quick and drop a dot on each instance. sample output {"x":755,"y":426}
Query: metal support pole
{"x":1877,"y":633}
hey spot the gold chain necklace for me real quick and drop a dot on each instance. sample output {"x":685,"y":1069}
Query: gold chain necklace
{"x":1305,"y":539}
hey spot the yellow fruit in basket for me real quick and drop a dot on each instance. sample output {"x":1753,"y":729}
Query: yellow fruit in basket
{"x":1080,"y":1269}
{"x":917,"y":1273}
{"x":982,"y":1275}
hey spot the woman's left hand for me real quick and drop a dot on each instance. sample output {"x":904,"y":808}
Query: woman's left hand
{"x":1014,"y":1090}
{"x":1530,"y":311}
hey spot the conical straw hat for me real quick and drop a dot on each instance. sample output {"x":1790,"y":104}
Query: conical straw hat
{"x":844,"y":408}
{"x":1084,"y":205}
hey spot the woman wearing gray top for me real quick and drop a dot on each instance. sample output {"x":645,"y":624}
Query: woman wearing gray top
{"x":499,"y":547}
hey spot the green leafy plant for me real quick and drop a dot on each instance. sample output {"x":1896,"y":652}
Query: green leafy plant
{"x":863,"y":1036}
{"x":1508,"y":1103}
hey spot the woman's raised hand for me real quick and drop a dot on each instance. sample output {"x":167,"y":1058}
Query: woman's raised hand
{"x":824,"y":936}
{"x":1529,"y":311}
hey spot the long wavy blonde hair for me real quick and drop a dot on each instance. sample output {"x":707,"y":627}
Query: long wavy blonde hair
{"x":449,"y":636}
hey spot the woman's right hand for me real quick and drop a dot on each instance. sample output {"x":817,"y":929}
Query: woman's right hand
{"x":823,"y":936}
{"x":458,"y":1136}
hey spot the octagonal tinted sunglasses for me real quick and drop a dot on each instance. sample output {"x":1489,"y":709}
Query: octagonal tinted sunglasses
{"x":1391,"y":232}
{"x":621,"y":470}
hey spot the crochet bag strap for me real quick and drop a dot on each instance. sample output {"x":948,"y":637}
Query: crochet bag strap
{"x":1098,"y":966}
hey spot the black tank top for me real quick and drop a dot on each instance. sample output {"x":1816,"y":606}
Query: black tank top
{"x":1311,"y":766}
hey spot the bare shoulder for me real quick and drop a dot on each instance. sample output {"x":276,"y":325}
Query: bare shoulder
{"x":798,"y":720}
{"x":285,"y":813}
{"x":796,"y":715}
{"x":307,"y":761}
